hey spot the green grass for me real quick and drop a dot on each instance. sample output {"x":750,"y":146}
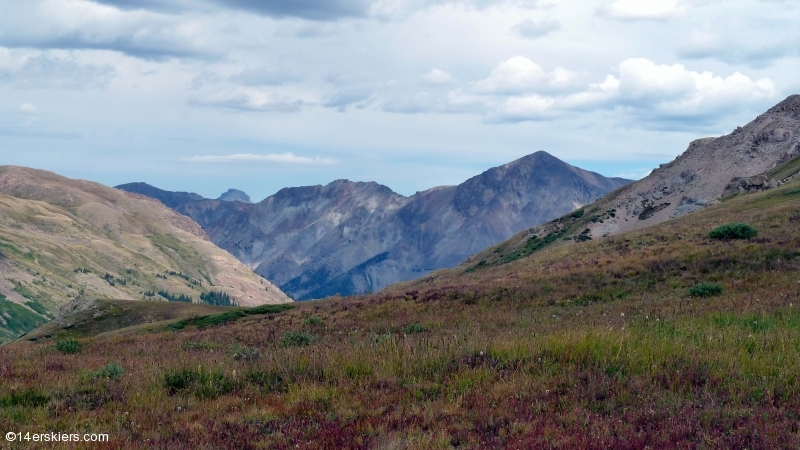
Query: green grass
{"x":16,"y":320}
{"x":786,"y":170}
{"x":228,"y":316}
{"x":705,"y":290}
{"x":69,"y":346}
{"x":297,"y":339}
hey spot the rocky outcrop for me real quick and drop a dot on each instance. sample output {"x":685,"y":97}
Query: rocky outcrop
{"x":709,"y":169}
{"x":749,"y":185}
{"x":353,"y":237}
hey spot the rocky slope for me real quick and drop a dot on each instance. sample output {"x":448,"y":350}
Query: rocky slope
{"x":759,"y":156}
{"x":62,"y":238}
{"x":353,"y":237}
{"x":709,"y":169}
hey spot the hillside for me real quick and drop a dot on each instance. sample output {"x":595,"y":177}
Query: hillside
{"x":63,"y":238}
{"x":656,"y":338}
{"x":351,"y":238}
{"x":709,"y":169}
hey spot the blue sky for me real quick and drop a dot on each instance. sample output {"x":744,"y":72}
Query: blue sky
{"x":205,"y":95}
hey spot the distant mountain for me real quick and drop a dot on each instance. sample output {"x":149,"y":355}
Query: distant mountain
{"x":169,"y":198}
{"x":354,"y":237}
{"x":61,"y":239}
{"x":235,"y":195}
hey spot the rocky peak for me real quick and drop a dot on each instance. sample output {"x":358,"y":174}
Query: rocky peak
{"x":235,"y":195}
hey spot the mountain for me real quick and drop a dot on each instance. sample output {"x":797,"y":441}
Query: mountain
{"x":354,"y":237}
{"x":759,"y":156}
{"x":709,"y":169}
{"x":61,"y":239}
{"x":235,"y":195}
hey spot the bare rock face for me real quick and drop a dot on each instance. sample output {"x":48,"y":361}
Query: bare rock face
{"x":709,"y":169}
{"x":353,"y":237}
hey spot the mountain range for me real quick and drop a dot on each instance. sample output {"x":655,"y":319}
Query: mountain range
{"x":357,"y":237}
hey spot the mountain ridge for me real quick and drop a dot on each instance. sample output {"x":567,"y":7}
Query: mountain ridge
{"x":307,"y":239}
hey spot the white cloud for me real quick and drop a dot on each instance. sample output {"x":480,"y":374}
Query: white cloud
{"x":283,"y":158}
{"x":520,"y":75}
{"x":644,"y":9}
{"x":675,"y":91}
{"x":272,"y":98}
{"x":532,"y":30}
{"x":656,"y":92}
{"x":27,"y":108}
{"x":634,"y":175}
{"x":438,"y":76}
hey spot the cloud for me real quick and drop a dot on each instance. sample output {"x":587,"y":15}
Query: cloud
{"x":341,"y":101}
{"x":321,"y":10}
{"x":634,"y":175}
{"x":532,"y":30}
{"x":643,"y":9}
{"x":732,"y":50}
{"x":438,"y":77}
{"x":27,"y":108}
{"x":663,"y":95}
{"x":268,"y":99}
{"x":81,"y":24}
{"x":420,"y":103}
{"x":33,"y":69}
{"x":282,"y":158}
{"x":265,"y":76}
{"x":521,"y":75}
{"x":684,"y":92}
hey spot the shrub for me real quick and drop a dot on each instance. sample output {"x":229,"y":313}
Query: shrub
{"x":705,"y":290}
{"x":269,"y":309}
{"x":30,"y":398}
{"x":297,"y":339}
{"x":733,"y":231}
{"x":314,"y":320}
{"x":112,"y":371}
{"x":69,"y":346}
{"x":201,"y":383}
{"x":415,"y":327}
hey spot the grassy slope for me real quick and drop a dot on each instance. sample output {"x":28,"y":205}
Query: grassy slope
{"x":51,"y":254}
{"x":116,"y":317}
{"x":587,"y":345}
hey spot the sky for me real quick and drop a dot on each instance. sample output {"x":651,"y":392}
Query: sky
{"x":258,"y":95}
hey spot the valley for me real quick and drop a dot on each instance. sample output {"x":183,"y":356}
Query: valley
{"x":587,"y":331}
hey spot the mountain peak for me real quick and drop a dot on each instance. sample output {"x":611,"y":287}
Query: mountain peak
{"x":235,"y":195}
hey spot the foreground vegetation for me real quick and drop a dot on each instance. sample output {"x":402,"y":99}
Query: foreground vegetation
{"x":660,"y":338}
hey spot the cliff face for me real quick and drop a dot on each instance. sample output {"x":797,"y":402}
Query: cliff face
{"x":352,"y":237}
